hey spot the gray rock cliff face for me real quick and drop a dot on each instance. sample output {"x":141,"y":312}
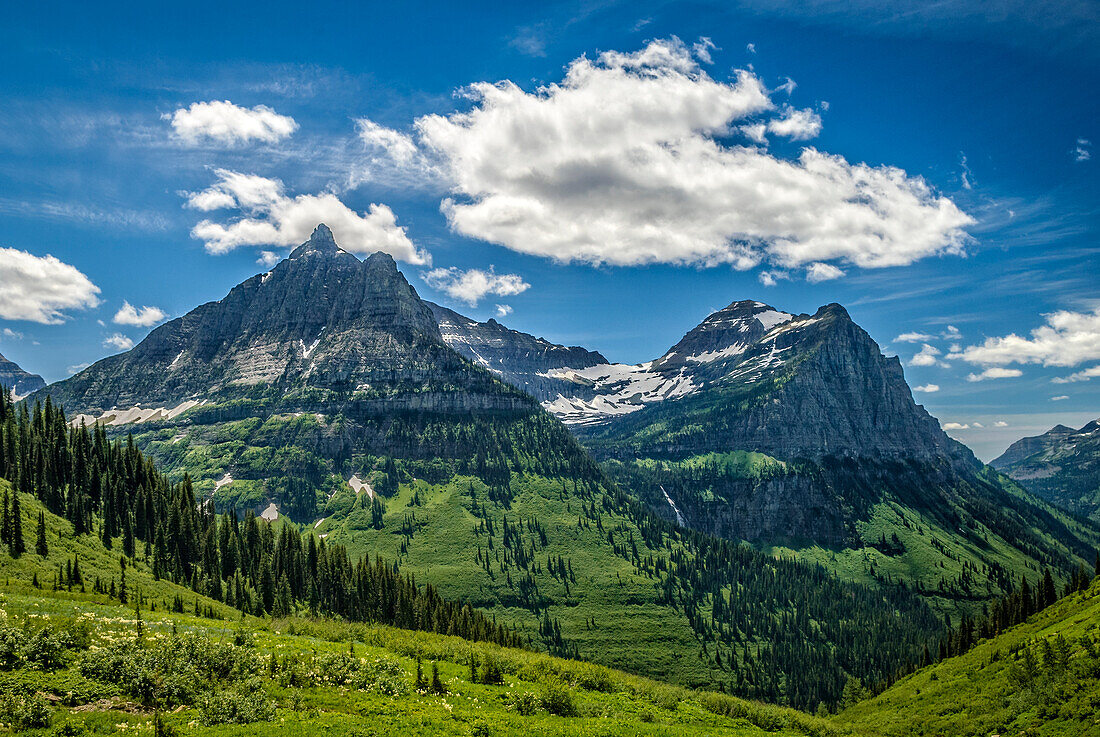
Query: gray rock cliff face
{"x":18,"y":381}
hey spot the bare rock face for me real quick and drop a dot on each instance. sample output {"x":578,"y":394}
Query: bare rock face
{"x":322,"y":329}
{"x":16,"y":380}
{"x":519,"y":359}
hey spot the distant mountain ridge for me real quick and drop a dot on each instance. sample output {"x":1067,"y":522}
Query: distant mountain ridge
{"x":19,"y":382}
{"x":520,"y":359}
{"x":855,"y":402}
{"x":1062,"y":466}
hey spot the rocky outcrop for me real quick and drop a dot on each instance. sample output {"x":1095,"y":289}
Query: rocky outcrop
{"x":16,"y":380}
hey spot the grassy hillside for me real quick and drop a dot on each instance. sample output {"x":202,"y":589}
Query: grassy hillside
{"x":78,"y":662}
{"x":1039,"y":678}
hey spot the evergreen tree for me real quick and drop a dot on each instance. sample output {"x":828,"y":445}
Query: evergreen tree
{"x":17,"y":546}
{"x":40,"y":545}
{"x":437,"y":684}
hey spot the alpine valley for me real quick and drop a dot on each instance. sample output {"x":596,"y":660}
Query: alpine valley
{"x":763,"y":510}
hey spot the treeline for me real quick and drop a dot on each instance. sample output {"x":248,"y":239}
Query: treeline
{"x":110,"y":489}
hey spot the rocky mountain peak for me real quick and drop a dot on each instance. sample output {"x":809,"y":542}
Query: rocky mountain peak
{"x":833,"y":309}
{"x":321,"y":242}
{"x":321,"y":318}
{"x":725,"y":333}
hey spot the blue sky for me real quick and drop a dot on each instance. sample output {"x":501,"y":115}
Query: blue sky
{"x":662,"y":177}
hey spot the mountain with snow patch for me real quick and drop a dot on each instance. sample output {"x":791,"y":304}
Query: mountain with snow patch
{"x":19,"y":382}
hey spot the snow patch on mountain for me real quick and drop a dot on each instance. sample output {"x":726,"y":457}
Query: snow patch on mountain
{"x":136,"y":414}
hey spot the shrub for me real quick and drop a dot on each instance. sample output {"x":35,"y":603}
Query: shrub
{"x":44,"y":650}
{"x":382,"y":675}
{"x":171,"y":672}
{"x":69,"y":729}
{"x":557,"y":698}
{"x":491,"y":672}
{"x":12,"y":642}
{"x":591,"y":677}
{"x":524,"y":703}
{"x":24,"y":711}
{"x":336,"y":669}
{"x":245,"y":705}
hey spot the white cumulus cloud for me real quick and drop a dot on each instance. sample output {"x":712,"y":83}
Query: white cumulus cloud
{"x":41,"y":288}
{"x":472,"y":285}
{"x":1000,"y":423}
{"x":273,"y":218}
{"x":268,"y":258}
{"x":143,"y":317}
{"x":798,"y":125}
{"x":926,"y":356}
{"x":1059,"y":398}
{"x":819,"y":272}
{"x":955,"y":426}
{"x":220,"y":121}
{"x":624,"y":162}
{"x":927,"y":388}
{"x":504,"y":310}
{"x":118,"y":341}
{"x":1067,"y":339}
{"x":995,"y":373}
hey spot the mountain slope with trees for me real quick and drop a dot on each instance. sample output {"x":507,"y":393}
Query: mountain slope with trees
{"x":796,"y":433}
{"x":1040,"y":677}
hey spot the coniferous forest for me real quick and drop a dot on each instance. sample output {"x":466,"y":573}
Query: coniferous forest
{"x":107,"y":488}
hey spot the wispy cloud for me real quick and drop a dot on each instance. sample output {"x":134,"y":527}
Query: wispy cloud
{"x":82,"y":212}
{"x":1083,"y":152}
{"x":995,"y":373}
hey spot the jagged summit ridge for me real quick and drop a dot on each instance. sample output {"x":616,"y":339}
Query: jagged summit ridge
{"x":321,"y":242}
{"x":320,"y":319}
